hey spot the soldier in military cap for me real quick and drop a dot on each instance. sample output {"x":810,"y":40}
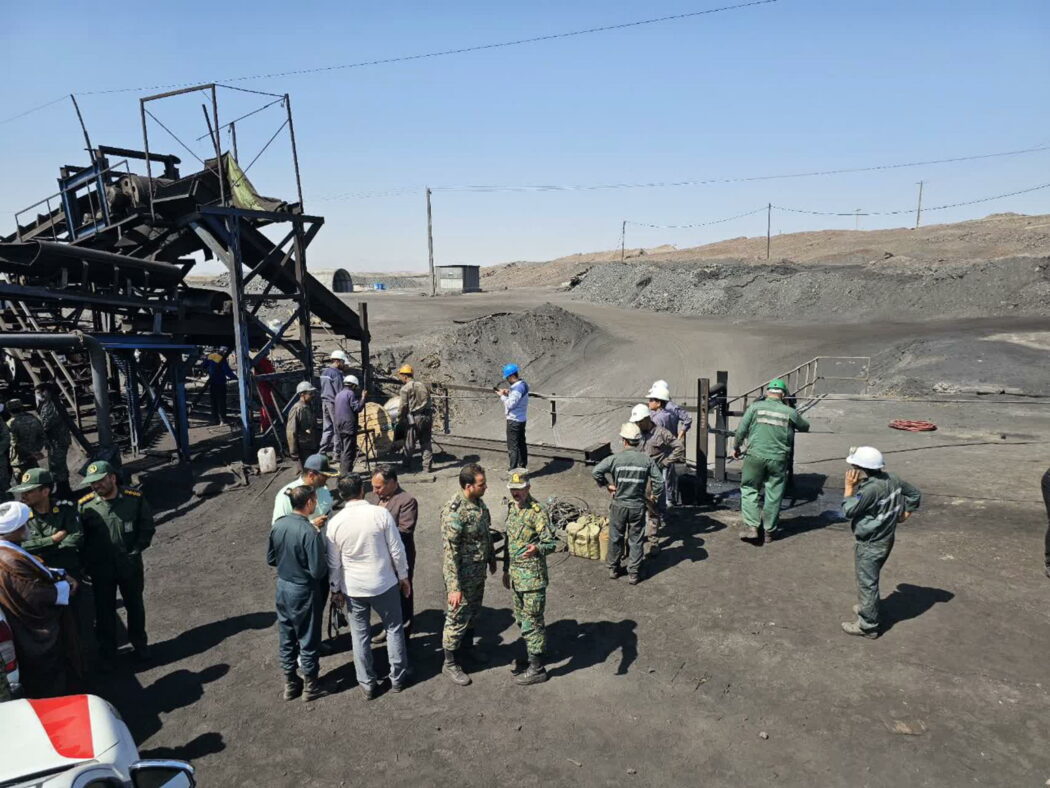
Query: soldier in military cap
{"x":530,"y":539}
{"x":55,"y":536}
{"x":118,"y":526}
{"x":27,"y":439}
{"x":465,"y":525}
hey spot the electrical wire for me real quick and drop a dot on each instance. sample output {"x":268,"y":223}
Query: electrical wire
{"x":912,"y":210}
{"x":700,"y":224}
{"x":439,"y":53}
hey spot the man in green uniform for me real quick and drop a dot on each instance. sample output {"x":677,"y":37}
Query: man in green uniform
{"x":768,"y":429}
{"x":118,"y":526}
{"x":301,"y":428}
{"x":55,"y":536}
{"x":530,"y":539}
{"x":875,"y":501}
{"x":465,"y":525}
{"x":27,"y":439}
{"x":632,"y":471}
{"x":57,"y":438}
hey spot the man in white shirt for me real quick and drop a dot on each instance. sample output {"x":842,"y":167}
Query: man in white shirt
{"x":316,"y":473}
{"x":368,"y":569}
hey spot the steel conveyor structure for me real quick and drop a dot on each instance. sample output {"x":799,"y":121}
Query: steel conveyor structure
{"x":107,"y":258}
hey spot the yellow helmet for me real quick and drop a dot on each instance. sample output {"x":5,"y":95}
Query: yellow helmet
{"x":406,"y":369}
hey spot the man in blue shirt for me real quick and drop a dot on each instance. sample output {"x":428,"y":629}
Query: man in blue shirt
{"x":300,"y":554}
{"x":515,"y":400}
{"x":348,"y":404}
{"x":331,"y":385}
{"x":219,"y":372}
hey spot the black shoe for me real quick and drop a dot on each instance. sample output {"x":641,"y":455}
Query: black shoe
{"x":293,"y":686}
{"x":519,"y":666}
{"x":772,"y":536}
{"x":535,"y":673}
{"x":398,"y":686}
{"x":614,"y":572}
{"x":312,"y":689}
{"x":369,"y":691}
{"x":453,"y":670}
{"x":632,"y":579}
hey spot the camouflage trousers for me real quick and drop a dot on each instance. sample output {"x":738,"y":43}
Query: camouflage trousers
{"x":458,"y":621}
{"x":56,"y":460}
{"x":528,"y":612}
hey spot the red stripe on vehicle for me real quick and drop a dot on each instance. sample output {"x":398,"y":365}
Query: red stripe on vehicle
{"x":67,"y":723}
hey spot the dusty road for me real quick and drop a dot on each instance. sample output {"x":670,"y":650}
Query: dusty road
{"x":673,"y":681}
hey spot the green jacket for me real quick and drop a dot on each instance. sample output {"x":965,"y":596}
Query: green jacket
{"x":115,"y":532}
{"x":768,"y":428}
{"x":62,"y":517}
{"x":525,"y":526}
{"x":467,"y":542}
{"x":877,"y":505}
{"x":630,"y":469}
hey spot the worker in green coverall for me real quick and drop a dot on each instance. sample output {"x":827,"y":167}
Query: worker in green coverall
{"x":768,"y":430}
{"x":530,"y":539}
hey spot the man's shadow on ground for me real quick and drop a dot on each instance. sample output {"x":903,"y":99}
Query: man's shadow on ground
{"x":590,"y":643}
{"x":908,"y":602}
{"x":681,"y":539}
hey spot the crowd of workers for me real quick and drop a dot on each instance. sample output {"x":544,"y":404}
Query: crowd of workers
{"x":357,"y":548}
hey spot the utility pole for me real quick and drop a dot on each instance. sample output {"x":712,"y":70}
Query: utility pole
{"x":430,"y":244}
{"x":623,"y":240}
{"x":769,"y":227}
{"x":856,"y":219}
{"x":918,"y":209}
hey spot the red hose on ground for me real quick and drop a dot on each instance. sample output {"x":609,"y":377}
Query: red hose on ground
{"x":913,"y":426}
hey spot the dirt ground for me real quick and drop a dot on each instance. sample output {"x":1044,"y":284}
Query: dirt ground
{"x":725,"y":666}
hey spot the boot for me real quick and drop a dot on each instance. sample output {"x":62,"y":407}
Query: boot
{"x":535,"y":673}
{"x":853,"y":628}
{"x":313,"y":689}
{"x":452,"y":669}
{"x":293,"y":686}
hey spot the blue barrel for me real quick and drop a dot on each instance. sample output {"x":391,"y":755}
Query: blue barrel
{"x":379,"y":286}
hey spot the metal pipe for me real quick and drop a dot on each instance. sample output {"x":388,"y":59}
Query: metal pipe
{"x":97,"y":355}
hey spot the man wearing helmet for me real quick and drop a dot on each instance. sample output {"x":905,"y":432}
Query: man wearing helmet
{"x":416,"y":413}
{"x":515,"y":398}
{"x":348,"y":404}
{"x":331,"y":384}
{"x":665,"y":450}
{"x":768,"y":429}
{"x":874,"y":500}
{"x":301,"y":428}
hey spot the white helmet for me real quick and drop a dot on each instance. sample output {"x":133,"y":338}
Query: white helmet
{"x":867,"y":457}
{"x":639,"y":413}
{"x":630,"y":432}
{"x":338,"y":354}
{"x":662,"y":384}
{"x":304,"y":386}
{"x":659,"y":391}
{"x":351,"y":380}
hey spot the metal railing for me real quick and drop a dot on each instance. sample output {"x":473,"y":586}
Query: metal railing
{"x":804,"y":381}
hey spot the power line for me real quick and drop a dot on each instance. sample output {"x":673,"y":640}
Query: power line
{"x":747,"y":179}
{"x":407,"y":58}
{"x":700,"y":224}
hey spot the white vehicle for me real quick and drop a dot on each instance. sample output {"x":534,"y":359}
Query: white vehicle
{"x":77,"y":741}
{"x":8,"y":659}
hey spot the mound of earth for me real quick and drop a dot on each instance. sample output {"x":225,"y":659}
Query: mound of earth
{"x":544,"y":342}
{"x":885,"y":289}
{"x":1012,"y":362}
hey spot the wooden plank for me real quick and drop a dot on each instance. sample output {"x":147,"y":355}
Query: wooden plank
{"x":589,"y":455}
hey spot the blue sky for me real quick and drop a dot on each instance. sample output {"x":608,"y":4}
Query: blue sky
{"x":792,"y":86}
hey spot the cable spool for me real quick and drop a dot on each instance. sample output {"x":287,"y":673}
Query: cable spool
{"x":913,"y":426}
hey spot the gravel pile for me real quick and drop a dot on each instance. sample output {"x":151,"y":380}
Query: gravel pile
{"x":891,"y":289}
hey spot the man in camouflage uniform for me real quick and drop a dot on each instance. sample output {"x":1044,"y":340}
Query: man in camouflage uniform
{"x":118,"y":526}
{"x":57,"y":438}
{"x":27,"y":439}
{"x":465,"y":525}
{"x":530,"y":539}
{"x":5,"y":451}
